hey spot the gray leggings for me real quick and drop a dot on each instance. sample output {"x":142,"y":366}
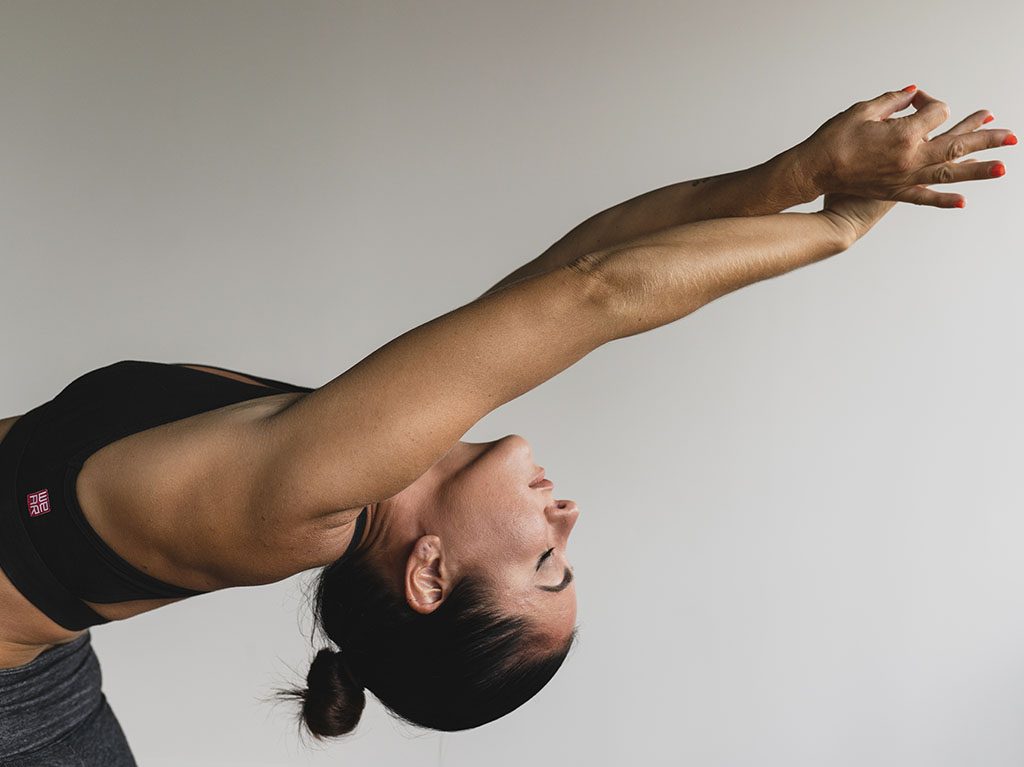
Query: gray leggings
{"x":53,"y":713}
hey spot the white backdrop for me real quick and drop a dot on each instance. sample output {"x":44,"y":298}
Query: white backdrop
{"x":801,"y":505}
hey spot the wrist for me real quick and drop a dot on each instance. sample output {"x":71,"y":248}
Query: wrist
{"x":845,"y":232}
{"x":804,"y":174}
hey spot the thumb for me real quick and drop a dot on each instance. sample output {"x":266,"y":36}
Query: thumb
{"x":883,"y":106}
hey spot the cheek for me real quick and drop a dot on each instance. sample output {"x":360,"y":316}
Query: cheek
{"x":505,"y":521}
{"x":524,"y":519}
{"x":514,"y":537}
{"x":510,"y":532}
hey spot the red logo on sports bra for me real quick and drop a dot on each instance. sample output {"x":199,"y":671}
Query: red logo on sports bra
{"x":38,"y":503}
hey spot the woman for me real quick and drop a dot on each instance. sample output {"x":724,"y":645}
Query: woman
{"x":142,"y":483}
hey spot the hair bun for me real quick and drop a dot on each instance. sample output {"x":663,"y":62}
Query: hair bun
{"x":334,"y":700}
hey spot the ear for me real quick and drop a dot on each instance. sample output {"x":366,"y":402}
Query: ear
{"x":426,"y":578}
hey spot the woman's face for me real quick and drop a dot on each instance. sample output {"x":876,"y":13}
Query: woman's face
{"x":476,"y":511}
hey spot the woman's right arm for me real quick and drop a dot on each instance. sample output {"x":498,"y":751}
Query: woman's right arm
{"x":370,"y":432}
{"x":658,"y":278}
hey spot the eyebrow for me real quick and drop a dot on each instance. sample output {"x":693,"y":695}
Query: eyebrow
{"x":566,"y":580}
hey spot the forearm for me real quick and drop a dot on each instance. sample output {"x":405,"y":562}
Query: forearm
{"x":771,"y":187}
{"x":663,"y":276}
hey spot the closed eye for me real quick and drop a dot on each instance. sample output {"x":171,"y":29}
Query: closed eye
{"x":566,"y":580}
{"x":566,"y":575}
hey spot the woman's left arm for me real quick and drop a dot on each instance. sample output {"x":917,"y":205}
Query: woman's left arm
{"x":771,"y":187}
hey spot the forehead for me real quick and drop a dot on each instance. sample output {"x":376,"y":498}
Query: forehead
{"x":554,"y":613}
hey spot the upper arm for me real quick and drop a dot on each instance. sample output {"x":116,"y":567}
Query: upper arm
{"x":374,"y":429}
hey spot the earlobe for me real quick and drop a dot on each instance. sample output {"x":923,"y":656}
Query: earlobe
{"x":425,"y":583}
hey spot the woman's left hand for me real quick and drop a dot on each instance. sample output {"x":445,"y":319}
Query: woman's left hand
{"x":864,"y":151}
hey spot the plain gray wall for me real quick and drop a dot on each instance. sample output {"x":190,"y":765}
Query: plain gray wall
{"x":801,"y":532}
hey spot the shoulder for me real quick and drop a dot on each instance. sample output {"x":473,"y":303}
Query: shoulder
{"x":253,"y":529}
{"x":191,"y":497}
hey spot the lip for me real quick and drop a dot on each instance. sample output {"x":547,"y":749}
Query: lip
{"x":538,"y":477}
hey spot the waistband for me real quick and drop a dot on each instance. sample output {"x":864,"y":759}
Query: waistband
{"x":44,"y":699}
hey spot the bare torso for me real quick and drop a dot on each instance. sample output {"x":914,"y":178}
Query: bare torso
{"x":151,"y":497}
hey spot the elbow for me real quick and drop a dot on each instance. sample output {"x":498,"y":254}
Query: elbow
{"x":593,"y":283}
{"x":599,"y":295}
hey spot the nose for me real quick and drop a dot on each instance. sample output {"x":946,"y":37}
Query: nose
{"x":563,"y":514}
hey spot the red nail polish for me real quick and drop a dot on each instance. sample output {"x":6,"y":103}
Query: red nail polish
{"x":1010,"y":140}
{"x":961,"y":203}
{"x":910,"y":88}
{"x":988,"y":119}
{"x":998,"y":170}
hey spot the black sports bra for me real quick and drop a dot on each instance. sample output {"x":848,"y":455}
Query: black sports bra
{"x":47,"y":548}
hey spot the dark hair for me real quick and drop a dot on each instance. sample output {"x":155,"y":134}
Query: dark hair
{"x":463,"y":665}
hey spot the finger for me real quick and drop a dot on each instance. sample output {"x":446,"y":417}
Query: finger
{"x":945,"y":147}
{"x":952,"y":172}
{"x":880,"y":107}
{"x":930,"y":114}
{"x":970,"y":123}
{"x":921,"y":195}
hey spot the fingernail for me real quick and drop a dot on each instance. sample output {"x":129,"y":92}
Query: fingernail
{"x":961,"y":203}
{"x":988,"y":119}
{"x":910,"y":88}
{"x":998,"y":170}
{"x":1010,"y":140}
